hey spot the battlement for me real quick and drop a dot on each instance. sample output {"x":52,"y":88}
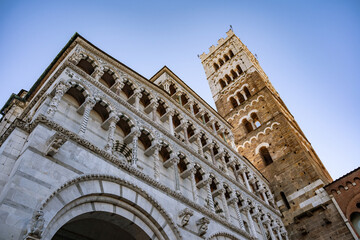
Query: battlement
{"x":220,"y":42}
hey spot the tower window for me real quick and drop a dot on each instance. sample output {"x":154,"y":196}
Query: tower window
{"x":247,"y":125}
{"x":231,"y":53}
{"x":221,"y":62}
{"x":228,"y":79}
{"x":255,"y":119}
{"x":234,"y":75}
{"x":240,"y":97}
{"x":226,"y":57}
{"x":222,"y":83}
{"x":239,"y":70}
{"x":233,"y":102}
{"x":216,"y":67}
{"x":264,"y":153}
{"x":247,"y":92}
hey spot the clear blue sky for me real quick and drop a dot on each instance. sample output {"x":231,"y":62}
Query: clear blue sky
{"x":309,"y":49}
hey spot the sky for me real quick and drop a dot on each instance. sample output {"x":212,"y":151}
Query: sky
{"x":309,"y":49}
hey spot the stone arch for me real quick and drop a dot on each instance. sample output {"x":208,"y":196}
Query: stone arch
{"x":222,"y":236}
{"x":86,"y":58}
{"x":72,"y":83}
{"x":264,"y":144}
{"x":100,"y":193}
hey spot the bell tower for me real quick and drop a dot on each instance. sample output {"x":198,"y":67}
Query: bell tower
{"x":266,"y":133}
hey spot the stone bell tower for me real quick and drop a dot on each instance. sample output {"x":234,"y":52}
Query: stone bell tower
{"x":267,"y":134}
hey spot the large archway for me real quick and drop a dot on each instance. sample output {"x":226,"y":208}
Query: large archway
{"x":82,"y":207}
{"x":100,"y":226}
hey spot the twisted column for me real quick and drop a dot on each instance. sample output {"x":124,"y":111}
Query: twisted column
{"x":110,"y":140}
{"x":238,"y":214}
{"x":89,"y":104}
{"x":209,"y":195}
{"x":200,"y":149}
{"x":60,"y":90}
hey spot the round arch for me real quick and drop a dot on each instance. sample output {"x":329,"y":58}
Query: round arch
{"x":89,"y":194}
{"x":222,"y":236}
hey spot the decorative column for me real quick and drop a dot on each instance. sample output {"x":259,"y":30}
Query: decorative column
{"x":191,"y":105}
{"x":235,"y":201}
{"x":223,"y":199}
{"x":89,"y":104}
{"x":134,"y":157}
{"x":257,"y":215}
{"x":154,"y":115}
{"x":211,"y":146}
{"x":110,"y":140}
{"x":171,"y":125}
{"x":60,"y":90}
{"x":225,"y":166}
{"x":200,"y":150}
{"x":97,"y":74}
{"x":209,"y":195}
{"x":267,"y":223}
{"x":262,"y":191}
{"x":175,"y":162}
{"x":186,"y":134}
{"x":232,"y":142}
{"x":137,"y":95}
{"x":283,"y":232}
{"x":245,"y":179}
{"x":277,"y":230}
{"x":251,"y":221}
{"x":118,"y":86}
{"x":213,"y":127}
{"x":193,"y":185}
{"x":156,"y":162}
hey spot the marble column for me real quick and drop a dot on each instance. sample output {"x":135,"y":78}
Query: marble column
{"x":110,"y":139}
{"x":89,"y":104}
{"x":97,"y":74}
{"x":209,"y":195}
{"x":156,"y":159}
{"x":60,"y":90}
{"x":176,"y":174}
{"x":251,"y":221}
{"x":200,"y":147}
{"x":171,"y":125}
{"x":138,"y":95}
{"x":134,"y":157}
{"x":193,"y":185}
{"x":238,"y":213}
{"x":268,"y":225}
{"x":223,"y":199}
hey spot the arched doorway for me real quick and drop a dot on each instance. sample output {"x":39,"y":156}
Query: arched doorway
{"x":100,"y":226}
{"x":102,"y":207}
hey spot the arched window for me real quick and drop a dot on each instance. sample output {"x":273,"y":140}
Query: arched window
{"x":172,"y":89}
{"x":164,"y":153}
{"x":234,"y":75}
{"x":247,"y":125}
{"x":145,"y":99}
{"x":77,"y":95}
{"x":228,"y":79}
{"x":161,"y":110}
{"x":100,"y":109}
{"x":355,"y":221}
{"x":226,"y":57}
{"x":124,"y":125}
{"x":233,"y":102}
{"x":128,"y":89}
{"x":203,"y":140}
{"x":107,"y":78}
{"x":240,"y":97}
{"x":184,"y":99}
{"x":231,"y":53}
{"x":239,"y":70}
{"x":216,"y":67}
{"x":221,"y":62}
{"x":86,"y":65}
{"x":145,"y":139}
{"x":247,"y":92}
{"x":264,"y":153}
{"x":176,"y":120}
{"x":182,"y":165}
{"x":190,"y":130}
{"x":256,"y":120}
{"x":222,"y":83}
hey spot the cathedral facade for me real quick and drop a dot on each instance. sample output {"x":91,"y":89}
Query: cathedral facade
{"x":94,"y":150}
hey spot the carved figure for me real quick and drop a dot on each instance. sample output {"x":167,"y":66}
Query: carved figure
{"x":202,"y":224}
{"x":185,"y":216}
{"x":36,"y":225}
